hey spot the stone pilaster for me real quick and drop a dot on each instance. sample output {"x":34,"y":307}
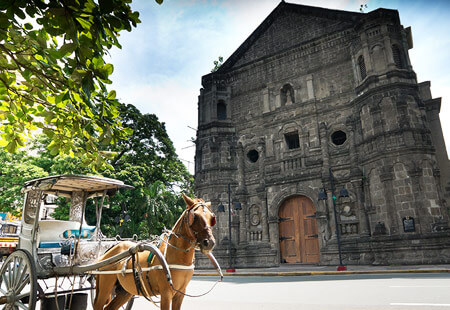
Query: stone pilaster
{"x":386,"y":177}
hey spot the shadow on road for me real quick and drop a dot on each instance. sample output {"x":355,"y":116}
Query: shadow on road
{"x":269,"y":279}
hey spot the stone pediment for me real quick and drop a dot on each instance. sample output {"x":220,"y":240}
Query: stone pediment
{"x":288,"y":26}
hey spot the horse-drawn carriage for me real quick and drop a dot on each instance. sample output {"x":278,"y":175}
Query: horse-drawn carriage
{"x":57,"y":261}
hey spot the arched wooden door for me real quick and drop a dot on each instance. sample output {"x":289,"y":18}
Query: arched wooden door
{"x":299,"y":241}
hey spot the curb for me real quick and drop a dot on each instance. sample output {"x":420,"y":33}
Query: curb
{"x":318,"y":273}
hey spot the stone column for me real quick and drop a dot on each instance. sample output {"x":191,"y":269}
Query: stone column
{"x":240,"y":166}
{"x":261,"y":163}
{"x":324,"y":146}
{"x":367,"y":58}
{"x":388,"y":48}
{"x":243,"y":224}
{"x":356,"y":179}
{"x":273,"y":232}
{"x":213,"y":103}
{"x":386,"y":177}
{"x":266,"y":102}
{"x":363,"y":217}
{"x":424,"y":220}
{"x":377,"y":120}
{"x":326,"y":175}
{"x":264,"y":216}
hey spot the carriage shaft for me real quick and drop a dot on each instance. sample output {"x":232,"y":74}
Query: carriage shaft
{"x":79,"y":270}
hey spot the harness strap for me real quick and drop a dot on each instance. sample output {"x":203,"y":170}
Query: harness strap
{"x":144,"y":292}
{"x":156,"y":267}
{"x":137,"y":282}
{"x":150,"y":285}
{"x":137,"y":277}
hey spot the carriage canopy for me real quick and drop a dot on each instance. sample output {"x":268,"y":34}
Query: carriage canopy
{"x":64,"y":185}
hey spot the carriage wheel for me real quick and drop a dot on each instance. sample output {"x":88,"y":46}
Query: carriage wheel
{"x":126,"y":306}
{"x":18,"y":282}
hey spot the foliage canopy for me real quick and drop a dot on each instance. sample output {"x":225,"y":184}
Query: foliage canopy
{"x":53,"y":75}
{"x":147,"y":161}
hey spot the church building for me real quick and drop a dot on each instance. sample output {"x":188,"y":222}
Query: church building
{"x":317,"y":137}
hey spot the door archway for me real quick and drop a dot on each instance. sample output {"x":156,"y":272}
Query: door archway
{"x":299,"y":240}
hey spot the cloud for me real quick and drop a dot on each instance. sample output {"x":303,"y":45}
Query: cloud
{"x":160,"y":67}
{"x":174,"y":102}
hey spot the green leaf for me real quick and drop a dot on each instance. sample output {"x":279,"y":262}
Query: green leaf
{"x":109,"y":68}
{"x":67,"y":49}
{"x":12,"y":146}
{"x":84,"y":23}
{"x":111,"y":95}
{"x":88,"y":86}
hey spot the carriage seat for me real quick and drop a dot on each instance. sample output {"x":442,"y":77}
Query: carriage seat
{"x":53,"y":233}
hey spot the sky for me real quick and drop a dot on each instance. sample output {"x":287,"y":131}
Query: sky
{"x":160,"y":65}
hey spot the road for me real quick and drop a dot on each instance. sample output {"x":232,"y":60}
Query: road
{"x":388,"y":291}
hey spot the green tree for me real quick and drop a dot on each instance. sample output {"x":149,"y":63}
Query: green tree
{"x":149,"y":147}
{"x":15,"y":170}
{"x":53,"y":75}
{"x":163,"y":207}
{"x":146,"y":158}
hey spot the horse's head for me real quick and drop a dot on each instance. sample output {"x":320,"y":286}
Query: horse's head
{"x":200,"y":220}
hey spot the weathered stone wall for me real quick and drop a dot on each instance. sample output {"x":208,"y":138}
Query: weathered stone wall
{"x":315,"y":92}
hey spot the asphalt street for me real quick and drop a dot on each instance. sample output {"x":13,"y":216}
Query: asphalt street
{"x":384,"y":291}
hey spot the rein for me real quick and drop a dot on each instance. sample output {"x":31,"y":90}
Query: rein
{"x":193,"y":243}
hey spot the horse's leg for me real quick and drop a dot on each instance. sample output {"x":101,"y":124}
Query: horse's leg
{"x":177,"y":300}
{"x":103,"y":287}
{"x":120,"y":299}
{"x":166,"y":300}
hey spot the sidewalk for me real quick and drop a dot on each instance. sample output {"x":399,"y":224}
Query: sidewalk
{"x":309,"y":270}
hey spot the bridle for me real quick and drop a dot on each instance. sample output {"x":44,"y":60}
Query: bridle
{"x":188,"y":219}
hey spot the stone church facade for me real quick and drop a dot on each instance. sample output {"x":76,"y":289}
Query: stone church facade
{"x":321,"y":103}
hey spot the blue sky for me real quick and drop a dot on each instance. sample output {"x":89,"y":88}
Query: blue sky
{"x":160,"y":65}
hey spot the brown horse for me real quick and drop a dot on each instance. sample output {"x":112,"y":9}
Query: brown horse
{"x":192,"y":230}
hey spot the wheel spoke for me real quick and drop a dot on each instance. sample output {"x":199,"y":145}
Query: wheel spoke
{"x":19,"y":297}
{"x":21,"y":305}
{"x":7,"y":276}
{"x":12,"y":279}
{"x":22,"y":285}
{"x":18,"y":274}
{"x":23,"y":278}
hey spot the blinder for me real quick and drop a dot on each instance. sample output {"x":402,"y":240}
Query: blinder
{"x":191,"y":215}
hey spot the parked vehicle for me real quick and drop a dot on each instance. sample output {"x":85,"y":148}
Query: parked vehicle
{"x":53,"y":258}
{"x":9,"y":234}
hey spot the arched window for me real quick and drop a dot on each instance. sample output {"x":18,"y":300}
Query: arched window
{"x":221,"y":110}
{"x":398,"y":57}
{"x":362,"y":67}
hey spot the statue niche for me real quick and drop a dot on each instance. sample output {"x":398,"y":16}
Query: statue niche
{"x":287,"y":95}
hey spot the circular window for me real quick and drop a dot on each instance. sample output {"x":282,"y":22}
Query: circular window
{"x":339,"y":137}
{"x":253,"y":156}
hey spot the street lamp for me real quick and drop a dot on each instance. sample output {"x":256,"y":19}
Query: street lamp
{"x":323,"y":196}
{"x":221,"y":208}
